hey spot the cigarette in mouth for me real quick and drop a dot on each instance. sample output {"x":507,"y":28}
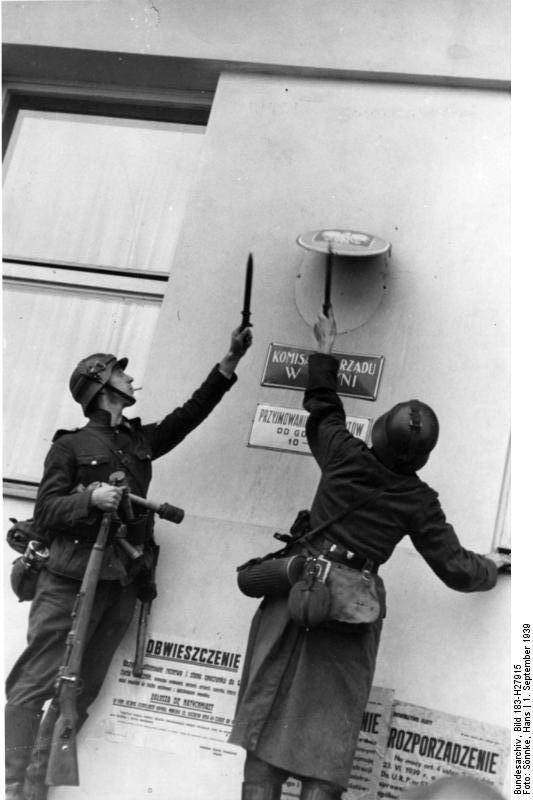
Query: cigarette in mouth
{"x":136,"y":388}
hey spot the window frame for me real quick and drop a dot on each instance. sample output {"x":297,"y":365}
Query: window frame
{"x":186,"y":107}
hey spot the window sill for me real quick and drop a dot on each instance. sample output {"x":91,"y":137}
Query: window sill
{"x":23,"y":489}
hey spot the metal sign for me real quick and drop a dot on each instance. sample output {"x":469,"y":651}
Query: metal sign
{"x":282,"y":428}
{"x":354,"y":244}
{"x":358,"y":376}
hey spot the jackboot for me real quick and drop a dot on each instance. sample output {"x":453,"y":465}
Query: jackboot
{"x":261,"y":791}
{"x":314,"y":791}
{"x":21,"y":726}
{"x":34,"y":786}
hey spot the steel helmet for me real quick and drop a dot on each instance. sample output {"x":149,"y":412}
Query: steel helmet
{"x":91,"y":375}
{"x":403,"y":438}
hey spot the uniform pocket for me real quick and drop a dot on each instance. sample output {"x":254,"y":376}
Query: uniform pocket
{"x":93,"y":467}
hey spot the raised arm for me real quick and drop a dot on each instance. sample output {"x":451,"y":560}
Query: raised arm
{"x":459,"y":568}
{"x":326,"y":426}
{"x":165,"y":435}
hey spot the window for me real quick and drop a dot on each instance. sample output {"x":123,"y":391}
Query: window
{"x":93,"y":206}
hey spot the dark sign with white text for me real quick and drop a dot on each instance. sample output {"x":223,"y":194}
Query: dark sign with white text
{"x":358,"y":376}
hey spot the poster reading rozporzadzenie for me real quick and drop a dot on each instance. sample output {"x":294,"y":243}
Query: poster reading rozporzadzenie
{"x":424,"y":744}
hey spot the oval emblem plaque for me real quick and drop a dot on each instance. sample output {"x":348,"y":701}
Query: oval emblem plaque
{"x":354,"y":244}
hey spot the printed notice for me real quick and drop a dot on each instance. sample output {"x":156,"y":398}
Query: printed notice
{"x":287,"y":368}
{"x":424,"y":745}
{"x":281,"y":428}
{"x":187,"y":688}
{"x":371,"y":746}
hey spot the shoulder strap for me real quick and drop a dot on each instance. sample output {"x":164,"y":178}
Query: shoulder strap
{"x":343,"y":513}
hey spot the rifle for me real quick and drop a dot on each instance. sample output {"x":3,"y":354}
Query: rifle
{"x":63,"y":761}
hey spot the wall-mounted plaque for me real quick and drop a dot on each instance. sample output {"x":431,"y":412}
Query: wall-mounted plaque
{"x":354,"y":244}
{"x":358,"y":376}
{"x":281,"y":428}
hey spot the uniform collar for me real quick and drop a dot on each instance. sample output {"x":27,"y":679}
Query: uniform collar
{"x":101,"y":418}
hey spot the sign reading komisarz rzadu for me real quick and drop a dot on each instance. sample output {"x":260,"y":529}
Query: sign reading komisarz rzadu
{"x":286,"y":368}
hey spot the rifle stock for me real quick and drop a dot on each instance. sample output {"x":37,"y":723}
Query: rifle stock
{"x":63,"y":761}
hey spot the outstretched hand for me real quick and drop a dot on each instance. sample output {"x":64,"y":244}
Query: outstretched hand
{"x":502,"y":560}
{"x":325,"y":330}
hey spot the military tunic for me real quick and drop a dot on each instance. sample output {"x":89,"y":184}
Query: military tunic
{"x":75,"y":460}
{"x":303,"y":692}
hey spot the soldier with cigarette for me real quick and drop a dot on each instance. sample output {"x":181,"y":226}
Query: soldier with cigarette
{"x":74,"y":493}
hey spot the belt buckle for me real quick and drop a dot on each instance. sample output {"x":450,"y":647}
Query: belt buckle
{"x":341,"y":552}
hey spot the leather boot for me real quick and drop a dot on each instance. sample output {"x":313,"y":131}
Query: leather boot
{"x":34,"y":786}
{"x":312,"y":791}
{"x":261,"y":791}
{"x":21,"y":726}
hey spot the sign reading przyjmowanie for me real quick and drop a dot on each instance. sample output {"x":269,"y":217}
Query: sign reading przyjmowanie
{"x":281,"y":428}
{"x":358,"y":376}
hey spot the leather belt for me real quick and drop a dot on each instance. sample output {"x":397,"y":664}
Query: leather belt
{"x":340,"y":554}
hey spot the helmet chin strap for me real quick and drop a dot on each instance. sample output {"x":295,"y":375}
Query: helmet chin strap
{"x":129,"y":400}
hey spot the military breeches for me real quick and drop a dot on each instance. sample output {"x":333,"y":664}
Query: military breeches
{"x":31,"y":681}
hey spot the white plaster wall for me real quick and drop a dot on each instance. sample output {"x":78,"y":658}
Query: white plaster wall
{"x":440,"y":37}
{"x":425,"y":168}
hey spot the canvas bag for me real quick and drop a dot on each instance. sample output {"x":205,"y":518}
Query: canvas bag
{"x":329,"y":591}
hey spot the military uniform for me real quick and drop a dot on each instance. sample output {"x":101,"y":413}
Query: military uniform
{"x":303,"y":692}
{"x":76,"y":460}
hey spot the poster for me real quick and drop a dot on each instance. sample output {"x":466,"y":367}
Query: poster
{"x":371,"y":745}
{"x":187,"y":689}
{"x":282,"y":428}
{"x":424,"y":745}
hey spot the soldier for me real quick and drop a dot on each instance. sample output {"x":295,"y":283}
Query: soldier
{"x":73,"y":495}
{"x":304,"y":690}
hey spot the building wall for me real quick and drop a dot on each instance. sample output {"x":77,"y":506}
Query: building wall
{"x":425,"y":167}
{"x":444,"y":37}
